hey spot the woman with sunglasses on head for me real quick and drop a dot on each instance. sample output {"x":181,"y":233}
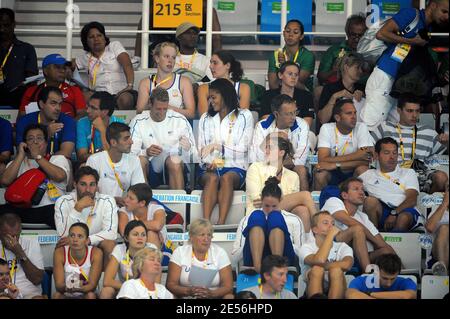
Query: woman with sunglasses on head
{"x":122,"y":258}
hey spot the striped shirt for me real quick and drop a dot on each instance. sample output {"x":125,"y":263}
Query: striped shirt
{"x":427,"y":140}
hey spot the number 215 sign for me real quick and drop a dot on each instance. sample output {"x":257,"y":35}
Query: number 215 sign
{"x":167,"y":14}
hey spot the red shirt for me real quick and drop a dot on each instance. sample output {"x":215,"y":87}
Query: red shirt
{"x":73,"y":99}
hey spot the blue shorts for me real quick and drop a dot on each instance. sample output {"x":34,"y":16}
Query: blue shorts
{"x":157,"y":179}
{"x":338,"y":176}
{"x":387,"y":210}
{"x":275,"y":220}
{"x":222,"y":171}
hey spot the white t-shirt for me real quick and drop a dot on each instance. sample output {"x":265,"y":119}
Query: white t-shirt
{"x":217,"y":260}
{"x":196,"y":63}
{"x":110,"y":76}
{"x":128,"y":169}
{"x":57,"y":160}
{"x":335,"y":204}
{"x":359,"y":137}
{"x":152,"y":209}
{"x":134,"y":289}
{"x":74,"y":273}
{"x":32,"y":249}
{"x":386,"y":189}
{"x":337,"y":253}
{"x":120,"y":254}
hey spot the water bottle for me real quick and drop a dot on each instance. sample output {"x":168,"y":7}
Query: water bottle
{"x":426,"y":241}
{"x":37,"y":197}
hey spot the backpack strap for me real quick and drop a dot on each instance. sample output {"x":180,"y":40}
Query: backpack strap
{"x":412,"y":24}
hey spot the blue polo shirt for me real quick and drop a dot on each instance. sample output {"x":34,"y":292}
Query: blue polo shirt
{"x":400,"y":284}
{"x":84,"y":138}
{"x":403,"y":18}
{"x":5,"y":136}
{"x":67,"y":134}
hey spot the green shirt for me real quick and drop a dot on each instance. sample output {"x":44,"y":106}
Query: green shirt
{"x":330,"y":56}
{"x":305,"y":59}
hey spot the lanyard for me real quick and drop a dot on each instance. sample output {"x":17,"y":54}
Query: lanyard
{"x":162,"y":82}
{"x":231,"y":123}
{"x":74,"y":263}
{"x":395,"y":181}
{"x":126,"y":262}
{"x":91,"y":148}
{"x":90,"y":216}
{"x":92,"y":72}
{"x":277,"y":64}
{"x":150,"y":295}
{"x":337,"y":140}
{"x":12,"y":271}
{"x":204,"y":262}
{"x":115,"y":173}
{"x":402,"y":149}
{"x":277,"y":294}
{"x":7,"y":56}
{"x":52,"y":140}
{"x":191,"y":63}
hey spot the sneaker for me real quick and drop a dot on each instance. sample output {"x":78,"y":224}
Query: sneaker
{"x":439,"y":269}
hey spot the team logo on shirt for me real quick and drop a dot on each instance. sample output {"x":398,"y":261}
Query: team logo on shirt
{"x":377,"y":182}
{"x":175,"y":93}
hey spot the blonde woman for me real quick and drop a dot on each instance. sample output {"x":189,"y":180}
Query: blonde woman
{"x":200,"y":255}
{"x":181,"y":96}
{"x":146,"y":270}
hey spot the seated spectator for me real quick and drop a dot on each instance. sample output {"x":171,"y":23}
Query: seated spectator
{"x":138,"y":206}
{"x":344,"y":149}
{"x":355,"y":27}
{"x":91,"y":129}
{"x":53,"y":67}
{"x":393,"y":191}
{"x":77,"y":266}
{"x":200,"y":254}
{"x":225,"y":132}
{"x":437,"y":224}
{"x":61,"y":128}
{"x":18,"y":61}
{"x":295,"y":52}
{"x":33,"y":154}
{"x":6,"y":144}
{"x":117,"y":168}
{"x":85,"y":204}
{"x":401,"y":40}
{"x":288,"y":74}
{"x":164,"y":141}
{"x":223,"y":65}
{"x":277,"y":150}
{"x":108,"y":65}
{"x":284,"y":120}
{"x":7,"y":289}
{"x":181,"y":96}
{"x":245,"y":294}
{"x":146,"y":268}
{"x":268,"y":231}
{"x":384,"y":283}
{"x":324,"y":261}
{"x":189,"y":61}
{"x":417,"y":142}
{"x":119,"y":265}
{"x":355,"y":227}
{"x":23,"y":256}
{"x":346,"y":86}
{"x":274,"y":270}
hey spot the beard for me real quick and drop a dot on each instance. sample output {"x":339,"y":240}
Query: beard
{"x":81,"y":195}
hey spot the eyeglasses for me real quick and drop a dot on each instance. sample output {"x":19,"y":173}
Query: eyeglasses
{"x":355,"y":35}
{"x":35,"y":139}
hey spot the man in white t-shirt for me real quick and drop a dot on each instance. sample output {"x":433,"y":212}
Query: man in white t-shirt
{"x":356,"y":228}
{"x":437,"y":224}
{"x":23,"y":256}
{"x":164,"y":141}
{"x":324,"y":260}
{"x":87,"y":205}
{"x":284,"y":120}
{"x":189,"y":61}
{"x":392,"y":191}
{"x":32,"y":154}
{"x":345,"y":148}
{"x":274,"y":271}
{"x":117,"y":168}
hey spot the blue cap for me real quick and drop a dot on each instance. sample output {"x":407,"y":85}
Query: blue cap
{"x":53,"y":59}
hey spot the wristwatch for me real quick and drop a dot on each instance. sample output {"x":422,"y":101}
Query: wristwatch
{"x":338,"y":165}
{"x":23,"y":259}
{"x":38,"y":157}
{"x":393,"y":212}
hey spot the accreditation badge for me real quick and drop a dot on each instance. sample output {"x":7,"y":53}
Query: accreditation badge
{"x":406,"y":164}
{"x":400,"y":52}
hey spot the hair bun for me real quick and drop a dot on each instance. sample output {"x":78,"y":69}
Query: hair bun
{"x":272,"y":180}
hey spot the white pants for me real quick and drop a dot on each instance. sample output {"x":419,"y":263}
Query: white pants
{"x":379,"y":104}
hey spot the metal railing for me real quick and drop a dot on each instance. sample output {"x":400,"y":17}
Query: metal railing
{"x":209,"y":33}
